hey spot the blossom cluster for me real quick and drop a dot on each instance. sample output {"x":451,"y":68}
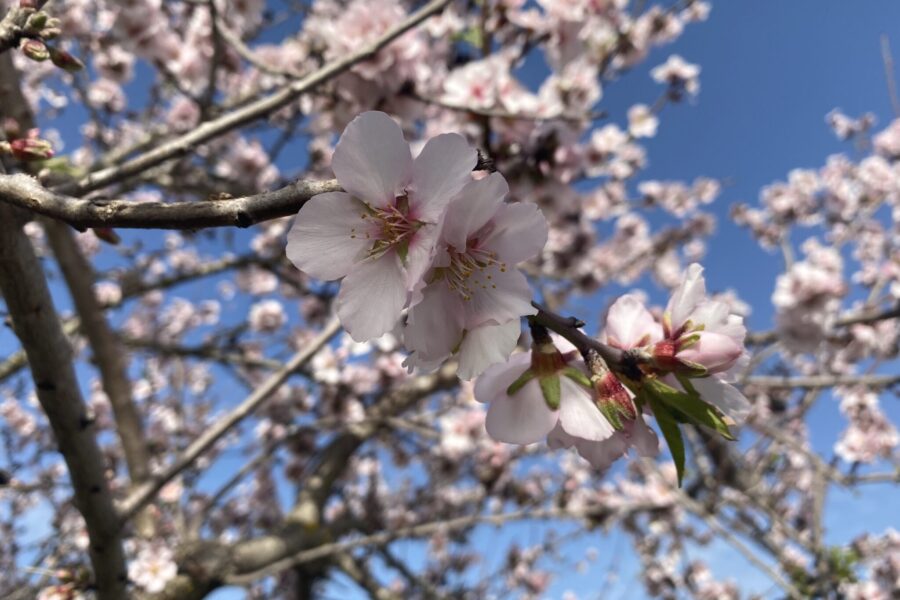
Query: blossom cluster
{"x":678,"y":370}
{"x":421,"y":236}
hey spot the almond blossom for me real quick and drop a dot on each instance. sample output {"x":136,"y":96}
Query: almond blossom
{"x":474,"y":296}
{"x":379,"y":235}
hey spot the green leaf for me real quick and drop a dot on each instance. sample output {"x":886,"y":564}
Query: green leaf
{"x":519,"y":383}
{"x":689,"y":404}
{"x":671,"y":432}
{"x":550,"y":387}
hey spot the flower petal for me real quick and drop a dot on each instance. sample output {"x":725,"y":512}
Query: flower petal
{"x":472,"y":208}
{"x":321,"y":241}
{"x":689,"y":293}
{"x":579,"y":416}
{"x":643,"y":439}
{"x":440,"y":171}
{"x":372,"y":160}
{"x":723,"y":396}
{"x":520,"y":233}
{"x":487,"y":345}
{"x":372,"y":297}
{"x":494,"y":381}
{"x":629,"y":323}
{"x":502,"y":298}
{"x":435,"y":325}
{"x":522,"y":418}
{"x":604,"y":453}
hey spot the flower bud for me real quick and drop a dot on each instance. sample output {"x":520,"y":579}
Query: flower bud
{"x":35,"y":50}
{"x":26,"y":149}
{"x":107,"y":234}
{"x":36,"y":22}
{"x":65,"y":61}
{"x":611,"y":396}
{"x":715,"y":352}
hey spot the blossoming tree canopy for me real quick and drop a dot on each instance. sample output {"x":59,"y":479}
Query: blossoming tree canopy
{"x":426,"y":299}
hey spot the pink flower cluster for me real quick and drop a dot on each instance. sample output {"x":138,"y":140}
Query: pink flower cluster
{"x":424,"y":236}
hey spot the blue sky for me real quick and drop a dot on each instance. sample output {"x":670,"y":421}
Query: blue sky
{"x":771,"y":72}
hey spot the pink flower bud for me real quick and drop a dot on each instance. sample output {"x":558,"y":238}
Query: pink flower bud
{"x":714,"y":351}
{"x":26,"y":149}
{"x":65,"y":61}
{"x":35,"y":50}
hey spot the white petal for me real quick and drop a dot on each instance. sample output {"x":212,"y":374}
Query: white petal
{"x":372,"y":297}
{"x":643,"y":439}
{"x":487,"y":345}
{"x":435,"y":326}
{"x":558,"y":438}
{"x":321,"y":243}
{"x":372,"y":160}
{"x":629,"y":323}
{"x":520,"y":233}
{"x":723,"y":396}
{"x":502,"y":298}
{"x":686,"y":297}
{"x":603,"y":453}
{"x":472,"y":208}
{"x":419,"y":259}
{"x":440,"y":171}
{"x":494,"y":381}
{"x":579,"y":416}
{"x":522,"y":418}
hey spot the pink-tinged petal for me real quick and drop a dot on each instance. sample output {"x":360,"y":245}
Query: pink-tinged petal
{"x":723,"y":396}
{"x":493,"y":382}
{"x":629,"y":324}
{"x":472,"y":208}
{"x":502,"y":298}
{"x":439,"y":172}
{"x":435,"y":325}
{"x":372,"y":160}
{"x":419,"y":258}
{"x":372,"y":297}
{"x":686,"y":297}
{"x":520,"y":233}
{"x":558,"y":438}
{"x":522,"y":418}
{"x":714,"y":351}
{"x":487,"y":345}
{"x":328,"y":236}
{"x":579,"y":416}
{"x":710,"y":314}
{"x":604,"y":453}
{"x":642,"y":438}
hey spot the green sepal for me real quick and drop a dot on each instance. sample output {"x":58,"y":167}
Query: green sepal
{"x":671,"y":432}
{"x":612,"y":415}
{"x":689,"y":405}
{"x":519,"y":383}
{"x":550,"y":388}
{"x":578,"y":377}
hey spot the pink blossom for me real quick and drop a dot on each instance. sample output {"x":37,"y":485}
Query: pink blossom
{"x":380,"y":234}
{"x":676,"y":72}
{"x":475,"y":296}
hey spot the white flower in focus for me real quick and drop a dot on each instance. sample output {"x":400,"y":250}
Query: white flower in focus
{"x":379,"y":234}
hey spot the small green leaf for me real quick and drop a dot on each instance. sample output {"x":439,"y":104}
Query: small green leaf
{"x":519,"y":383}
{"x":690,"y":405}
{"x":550,"y":387}
{"x":577,"y":376}
{"x":671,"y":432}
